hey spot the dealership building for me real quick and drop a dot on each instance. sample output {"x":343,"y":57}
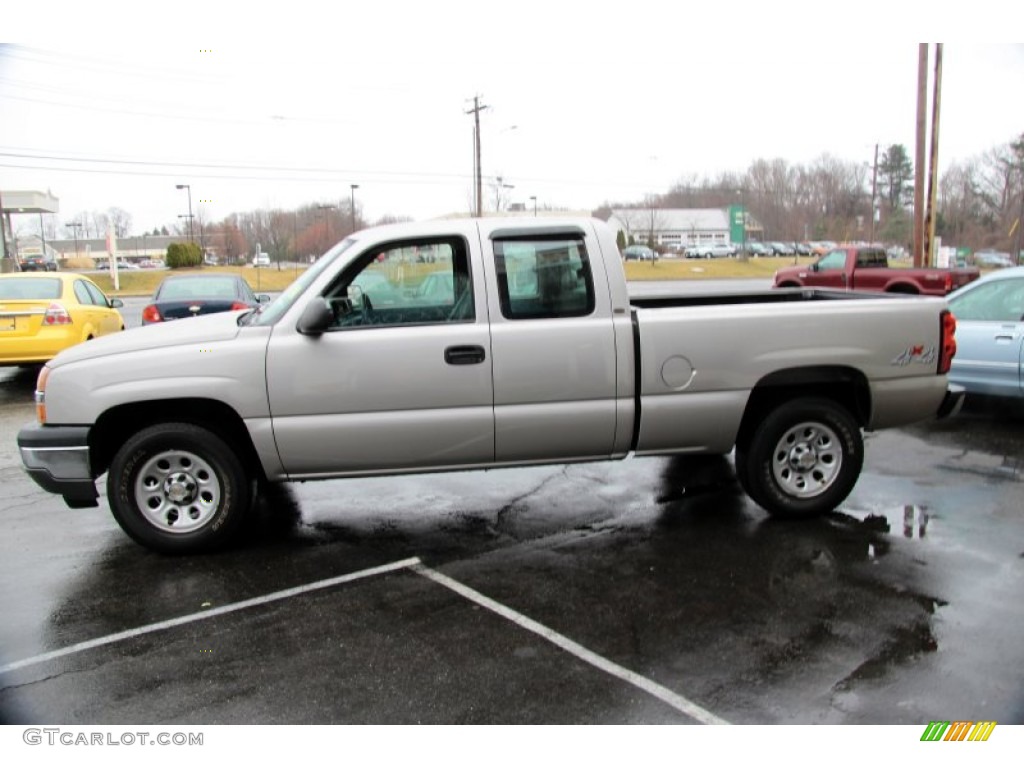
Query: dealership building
{"x":673,"y":229}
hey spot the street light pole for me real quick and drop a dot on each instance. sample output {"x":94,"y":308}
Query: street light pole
{"x":189,"y":188}
{"x":325,"y":209}
{"x":874,"y":193}
{"x":353,"y":188}
{"x":1020,"y":219}
{"x":75,"y":226}
{"x":189,"y":217}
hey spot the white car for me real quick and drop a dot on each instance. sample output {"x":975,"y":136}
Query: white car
{"x":710,"y":251}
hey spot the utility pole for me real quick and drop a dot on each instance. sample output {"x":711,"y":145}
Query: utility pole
{"x":5,"y":264}
{"x":922,"y":119}
{"x":874,"y":193}
{"x":478,"y":180}
{"x":931,"y":258}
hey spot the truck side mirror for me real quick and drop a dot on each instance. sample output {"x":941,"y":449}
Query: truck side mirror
{"x":316,"y":318}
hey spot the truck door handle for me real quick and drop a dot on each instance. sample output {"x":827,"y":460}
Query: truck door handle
{"x":467,"y":355}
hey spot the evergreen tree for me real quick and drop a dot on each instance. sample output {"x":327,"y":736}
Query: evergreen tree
{"x":895,"y":176}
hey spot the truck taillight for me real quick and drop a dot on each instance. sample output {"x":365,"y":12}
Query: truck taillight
{"x":151,"y":314}
{"x":56,"y":315}
{"x":44,"y":374}
{"x":947,"y":324}
{"x":239,"y":305}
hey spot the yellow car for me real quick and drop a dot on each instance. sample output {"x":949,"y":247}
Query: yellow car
{"x":41,"y":314}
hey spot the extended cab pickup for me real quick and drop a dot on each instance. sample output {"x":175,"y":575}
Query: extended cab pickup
{"x":866,"y":268}
{"x":537,"y":355}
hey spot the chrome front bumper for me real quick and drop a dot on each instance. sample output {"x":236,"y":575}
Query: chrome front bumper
{"x":57,"y":458}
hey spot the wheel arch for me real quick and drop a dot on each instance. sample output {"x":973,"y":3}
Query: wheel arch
{"x":116,"y":425}
{"x":846,"y":386}
{"x":904,"y":288}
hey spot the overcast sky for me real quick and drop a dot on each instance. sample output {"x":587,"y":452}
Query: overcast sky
{"x":586,"y":103}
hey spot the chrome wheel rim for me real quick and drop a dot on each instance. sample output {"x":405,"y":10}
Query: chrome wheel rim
{"x":177,"y":491}
{"x":807,"y":460}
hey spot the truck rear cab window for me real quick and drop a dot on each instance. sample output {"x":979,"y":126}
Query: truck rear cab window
{"x":546,"y":277}
{"x":872,"y":257}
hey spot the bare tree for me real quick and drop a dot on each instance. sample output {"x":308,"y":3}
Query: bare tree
{"x":121,"y":221}
{"x":501,"y":193}
{"x":653,"y":220}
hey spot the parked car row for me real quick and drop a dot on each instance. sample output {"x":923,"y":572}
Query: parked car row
{"x":727,"y":249}
{"x":750,"y":248}
{"x":993,"y":259}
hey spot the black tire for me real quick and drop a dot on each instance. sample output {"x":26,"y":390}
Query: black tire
{"x":178,"y":489}
{"x":803,"y":460}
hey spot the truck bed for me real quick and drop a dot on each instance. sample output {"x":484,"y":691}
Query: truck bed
{"x":775,"y":296}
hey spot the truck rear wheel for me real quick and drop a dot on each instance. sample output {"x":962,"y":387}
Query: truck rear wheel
{"x":178,"y":488}
{"x":803,"y":460}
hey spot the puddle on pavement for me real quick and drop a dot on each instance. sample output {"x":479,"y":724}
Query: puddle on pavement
{"x":993,"y":466}
{"x":909,"y":520}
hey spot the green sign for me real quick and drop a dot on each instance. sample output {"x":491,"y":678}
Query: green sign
{"x":736,"y":224}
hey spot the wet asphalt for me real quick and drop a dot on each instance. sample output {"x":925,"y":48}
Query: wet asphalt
{"x":643,"y":591}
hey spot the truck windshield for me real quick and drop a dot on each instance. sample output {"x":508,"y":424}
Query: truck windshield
{"x":269,"y":314}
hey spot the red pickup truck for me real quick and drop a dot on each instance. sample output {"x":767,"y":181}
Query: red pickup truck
{"x":866,"y":268}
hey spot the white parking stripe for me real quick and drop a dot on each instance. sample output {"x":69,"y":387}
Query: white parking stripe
{"x":671,"y":698}
{"x":193,"y":617}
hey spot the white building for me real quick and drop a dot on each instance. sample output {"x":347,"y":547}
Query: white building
{"x":673,"y":229}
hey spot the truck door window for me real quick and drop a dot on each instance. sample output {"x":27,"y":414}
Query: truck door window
{"x":833,"y":260}
{"x":405,"y":283}
{"x":543,"y":278}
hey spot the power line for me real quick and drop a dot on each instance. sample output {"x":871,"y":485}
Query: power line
{"x":423,"y":178}
{"x":33,"y":155}
{"x":334,"y":173}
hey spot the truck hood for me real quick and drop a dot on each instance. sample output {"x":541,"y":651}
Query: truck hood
{"x":790,"y":271}
{"x":221,"y":326}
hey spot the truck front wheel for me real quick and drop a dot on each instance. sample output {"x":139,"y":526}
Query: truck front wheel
{"x":803,"y":460}
{"x":178,"y":488}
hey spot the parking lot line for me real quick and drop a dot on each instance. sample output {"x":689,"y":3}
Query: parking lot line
{"x":674,"y":700}
{"x":193,"y":617}
{"x":669,"y":697}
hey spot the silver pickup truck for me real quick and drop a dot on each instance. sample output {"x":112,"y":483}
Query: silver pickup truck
{"x":454,"y":345}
